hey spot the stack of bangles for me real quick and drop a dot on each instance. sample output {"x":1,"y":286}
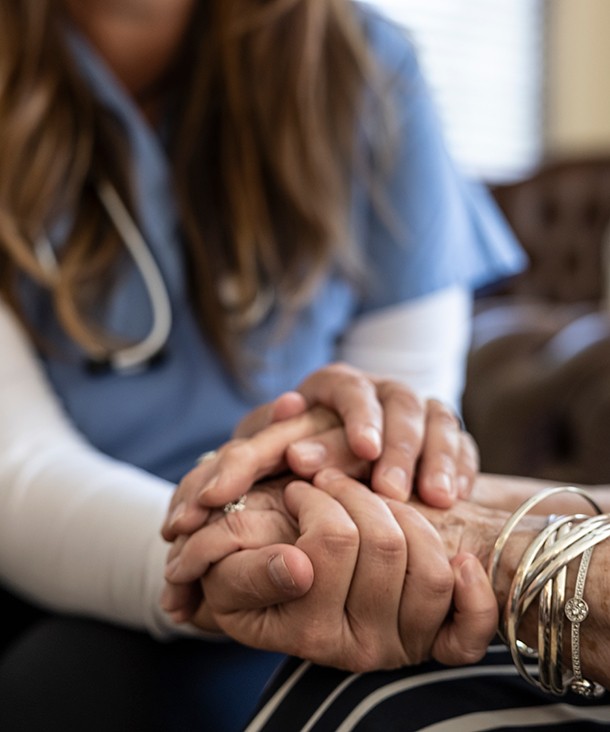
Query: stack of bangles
{"x":542,"y":574}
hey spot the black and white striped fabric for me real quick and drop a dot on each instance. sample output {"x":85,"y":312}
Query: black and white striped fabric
{"x":432,"y":698}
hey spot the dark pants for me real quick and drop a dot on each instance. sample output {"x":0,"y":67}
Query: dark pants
{"x":80,"y":675}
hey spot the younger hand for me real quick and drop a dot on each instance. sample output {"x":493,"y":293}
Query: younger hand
{"x":373,"y":429}
{"x":378,"y":598}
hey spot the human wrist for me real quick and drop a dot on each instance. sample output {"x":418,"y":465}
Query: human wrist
{"x":520,"y":540}
{"x":480,"y":527}
{"x":546,"y":602}
{"x":482,"y":543}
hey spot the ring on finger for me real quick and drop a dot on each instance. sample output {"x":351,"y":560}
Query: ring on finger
{"x":235,"y":506}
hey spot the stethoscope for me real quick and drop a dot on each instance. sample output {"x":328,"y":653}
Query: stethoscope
{"x":148,"y":351}
{"x":142,"y":354}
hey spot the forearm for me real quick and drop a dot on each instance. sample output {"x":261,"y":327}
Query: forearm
{"x":471,"y":527}
{"x":595,"y":630}
{"x":79,"y":532}
{"x":507,"y":492}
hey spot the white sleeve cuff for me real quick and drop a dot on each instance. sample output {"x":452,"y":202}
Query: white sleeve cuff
{"x":422,"y":343}
{"x":79,"y":531}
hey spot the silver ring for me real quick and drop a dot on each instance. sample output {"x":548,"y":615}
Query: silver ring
{"x":206,"y":457}
{"x":235,"y":506}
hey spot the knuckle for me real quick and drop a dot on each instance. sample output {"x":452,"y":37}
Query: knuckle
{"x":439,"y":584}
{"x":359,"y":383}
{"x":243,"y":455}
{"x":338,"y":539}
{"x":408,"y":448}
{"x":342,"y":368}
{"x":360,"y":380}
{"x":446,"y":417}
{"x":387,"y":546}
{"x":444,"y":461}
{"x":403,"y":397}
{"x":338,"y":369}
{"x":441,"y":410}
{"x":237,"y":449}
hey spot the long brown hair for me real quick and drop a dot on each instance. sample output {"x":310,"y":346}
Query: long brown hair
{"x":266,"y":101}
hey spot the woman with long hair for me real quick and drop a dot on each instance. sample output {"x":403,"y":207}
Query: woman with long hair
{"x":202,"y":203}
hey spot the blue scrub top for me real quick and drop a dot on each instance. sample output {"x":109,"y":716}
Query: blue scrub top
{"x":163,"y":417}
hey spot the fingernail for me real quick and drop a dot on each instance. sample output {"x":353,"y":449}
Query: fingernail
{"x":463,"y":485}
{"x":179,"y":616}
{"x":177,"y":514}
{"x":170,"y":569}
{"x":210,"y":485}
{"x":279,"y":573}
{"x":328,"y":474}
{"x":395,"y":479}
{"x":309,"y":454}
{"x":469,"y":571}
{"x":371,"y":435}
{"x":441,"y":484}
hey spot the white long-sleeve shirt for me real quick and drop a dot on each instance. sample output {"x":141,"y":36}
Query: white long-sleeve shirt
{"x":80,"y":532}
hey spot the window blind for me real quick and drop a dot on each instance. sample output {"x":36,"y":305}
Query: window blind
{"x":484,"y":60}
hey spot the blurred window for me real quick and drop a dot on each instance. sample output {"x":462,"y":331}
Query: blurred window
{"x":484,"y":60}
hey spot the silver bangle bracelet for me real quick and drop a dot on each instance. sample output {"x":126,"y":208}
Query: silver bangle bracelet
{"x":556,"y":684}
{"x":524,"y":508}
{"x":576,"y":611}
{"x":550,"y":622}
{"x":542,"y":574}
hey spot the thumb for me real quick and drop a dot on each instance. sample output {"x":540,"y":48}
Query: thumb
{"x":257,"y":578}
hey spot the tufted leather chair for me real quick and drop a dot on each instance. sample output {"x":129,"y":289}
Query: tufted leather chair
{"x":560,"y":215}
{"x":537,"y":397}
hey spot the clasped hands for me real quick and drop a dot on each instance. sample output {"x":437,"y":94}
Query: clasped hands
{"x":328,"y":561}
